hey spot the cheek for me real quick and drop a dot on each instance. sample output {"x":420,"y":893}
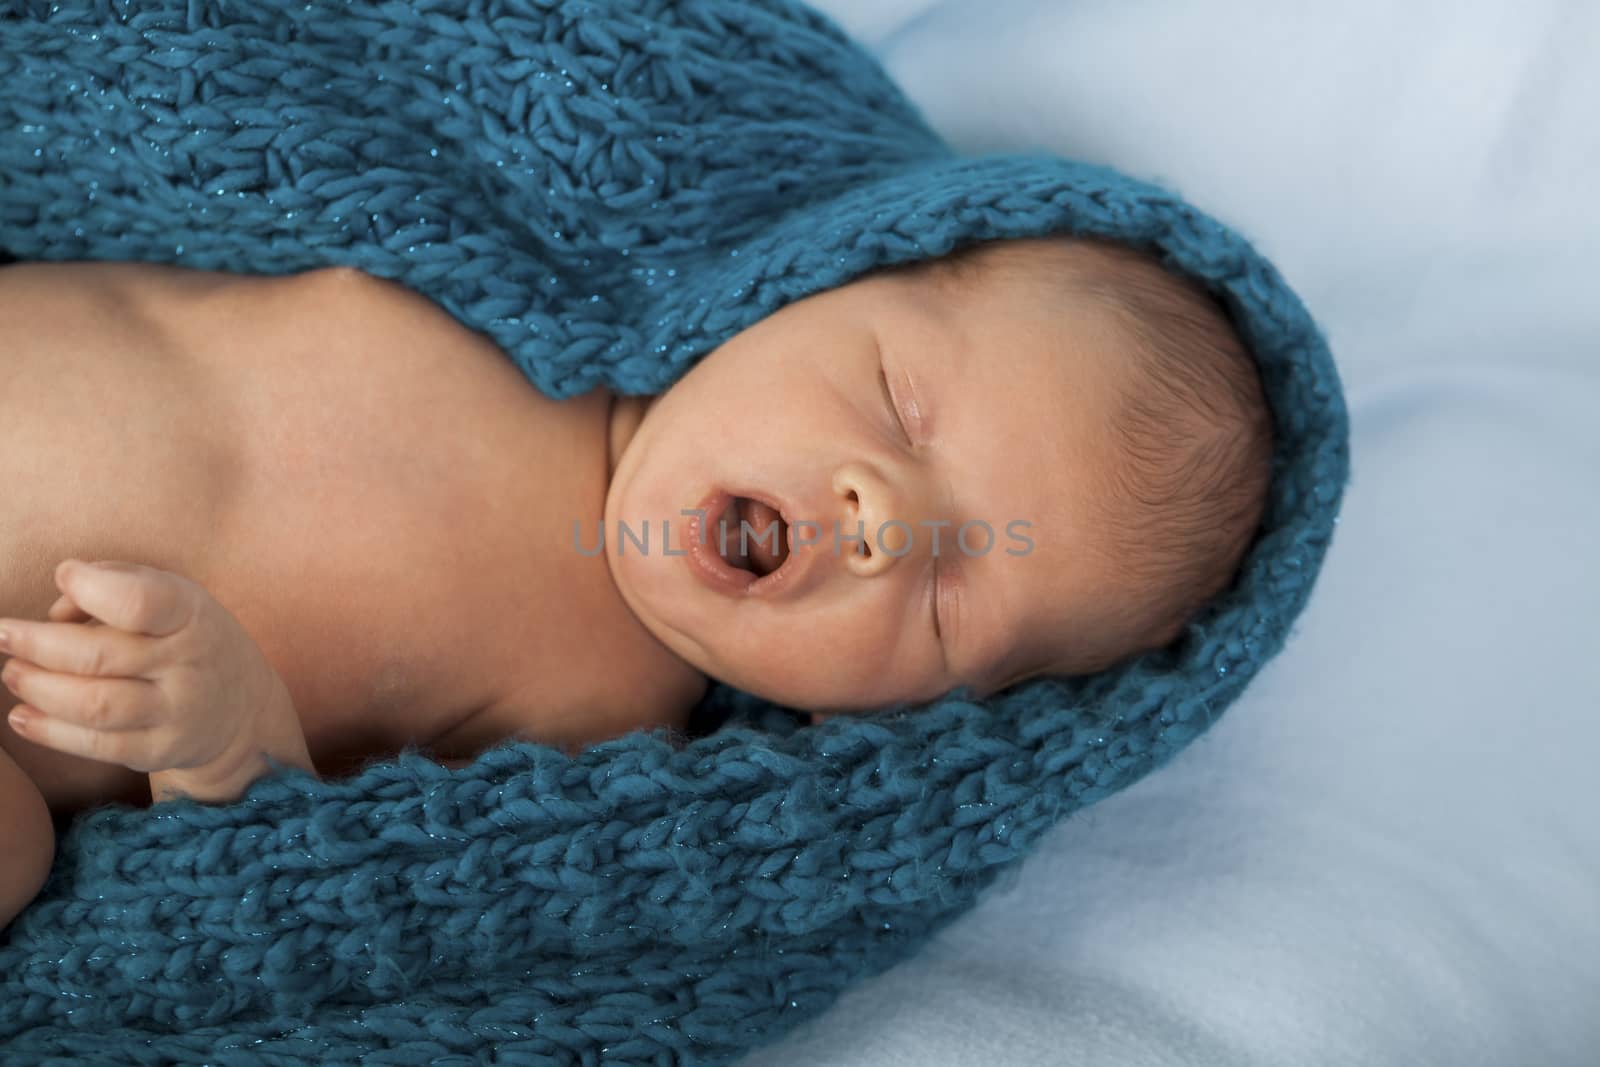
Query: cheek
{"x":809,"y":656}
{"x":660,"y":472}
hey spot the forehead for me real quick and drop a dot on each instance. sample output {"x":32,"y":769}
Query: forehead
{"x":1020,"y":370}
{"x":1021,"y":383}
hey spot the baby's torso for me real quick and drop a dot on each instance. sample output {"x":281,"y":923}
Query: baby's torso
{"x":374,"y":491}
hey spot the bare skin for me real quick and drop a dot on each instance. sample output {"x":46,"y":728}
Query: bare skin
{"x":344,"y":467}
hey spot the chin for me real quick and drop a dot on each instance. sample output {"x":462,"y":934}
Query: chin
{"x":657,"y":589}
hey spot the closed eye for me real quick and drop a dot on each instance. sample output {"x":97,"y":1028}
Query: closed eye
{"x":894,"y":409}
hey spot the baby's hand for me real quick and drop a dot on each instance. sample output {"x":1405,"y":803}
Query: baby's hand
{"x":166,"y":678}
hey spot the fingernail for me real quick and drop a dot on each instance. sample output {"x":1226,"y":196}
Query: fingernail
{"x":5,"y":641}
{"x":18,"y":720}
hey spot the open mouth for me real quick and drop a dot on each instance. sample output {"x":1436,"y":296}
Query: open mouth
{"x":751,"y":536}
{"x":759,"y":563}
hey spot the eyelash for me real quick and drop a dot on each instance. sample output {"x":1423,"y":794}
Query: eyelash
{"x":894,"y":409}
{"x":938,"y":631}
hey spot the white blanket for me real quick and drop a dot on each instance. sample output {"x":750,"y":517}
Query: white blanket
{"x":1388,"y":851}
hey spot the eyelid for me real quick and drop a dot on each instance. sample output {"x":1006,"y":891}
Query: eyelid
{"x":915,"y":408}
{"x":950,"y":592}
{"x":953,"y":583}
{"x":888,"y":398}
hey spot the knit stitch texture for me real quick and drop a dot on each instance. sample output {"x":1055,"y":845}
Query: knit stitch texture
{"x":608,"y":189}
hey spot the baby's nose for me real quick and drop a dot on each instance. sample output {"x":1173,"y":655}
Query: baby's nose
{"x":882,"y":522}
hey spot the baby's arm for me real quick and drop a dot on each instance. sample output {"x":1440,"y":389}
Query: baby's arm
{"x":166,"y":682}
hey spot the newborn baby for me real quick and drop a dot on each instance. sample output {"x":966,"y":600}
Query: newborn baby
{"x":1030,"y":457}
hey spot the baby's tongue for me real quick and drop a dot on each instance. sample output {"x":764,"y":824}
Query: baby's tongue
{"x":766,"y":531}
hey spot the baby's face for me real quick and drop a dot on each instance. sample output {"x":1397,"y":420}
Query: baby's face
{"x":897,"y":403}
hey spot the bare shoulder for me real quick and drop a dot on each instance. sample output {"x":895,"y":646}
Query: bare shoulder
{"x":67,"y":292}
{"x":181,"y":299}
{"x":141,"y":283}
{"x":152,"y":295}
{"x":120,"y":279}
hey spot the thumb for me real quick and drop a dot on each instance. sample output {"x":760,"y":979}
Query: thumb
{"x":65,"y":609}
{"x":129,"y":596}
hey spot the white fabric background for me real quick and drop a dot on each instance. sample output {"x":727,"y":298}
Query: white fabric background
{"x":1387,"y":852}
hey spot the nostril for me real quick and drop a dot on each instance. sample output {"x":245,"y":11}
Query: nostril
{"x":862,"y":550}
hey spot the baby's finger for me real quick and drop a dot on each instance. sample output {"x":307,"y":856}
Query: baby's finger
{"x":109,"y":704}
{"x":81,"y":648}
{"x":129,"y":596}
{"x":66,"y":610}
{"x":124,"y":747}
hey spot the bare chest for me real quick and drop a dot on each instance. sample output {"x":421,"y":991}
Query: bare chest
{"x":374,"y":491}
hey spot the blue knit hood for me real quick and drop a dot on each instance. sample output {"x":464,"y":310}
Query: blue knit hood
{"x":608,"y":190}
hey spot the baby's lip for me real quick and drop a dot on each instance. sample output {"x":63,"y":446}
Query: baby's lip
{"x":700,"y":547}
{"x":710,"y":567}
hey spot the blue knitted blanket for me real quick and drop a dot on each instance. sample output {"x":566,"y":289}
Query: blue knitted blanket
{"x":608,"y":189}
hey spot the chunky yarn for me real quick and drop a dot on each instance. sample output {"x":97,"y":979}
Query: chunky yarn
{"x":608,"y":189}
